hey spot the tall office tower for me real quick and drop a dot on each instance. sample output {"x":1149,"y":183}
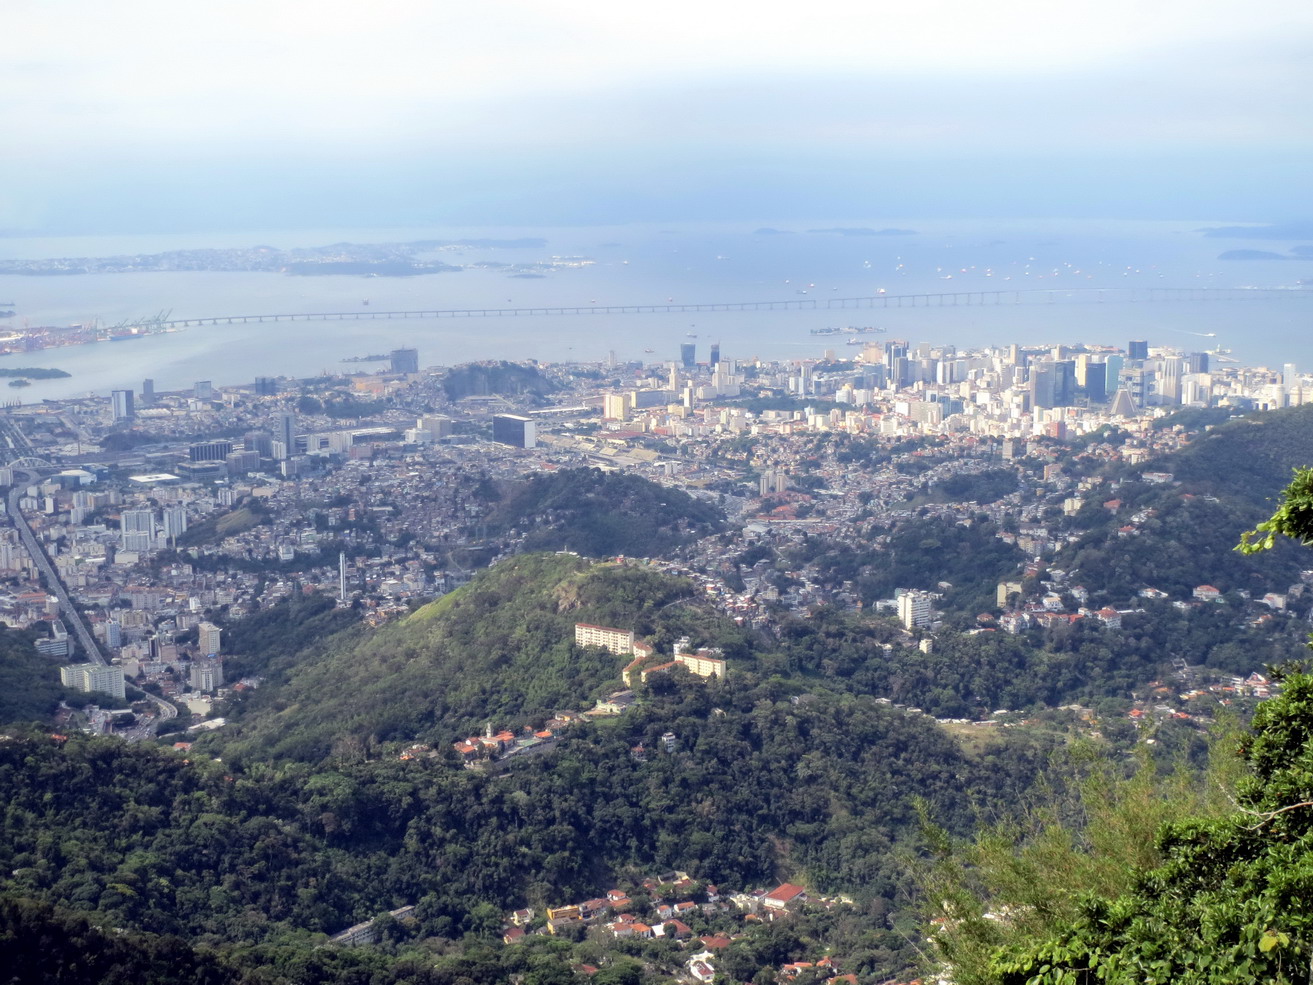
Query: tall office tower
{"x":147,"y":391}
{"x":1065,"y":388}
{"x":898,"y":372}
{"x":688,"y":354}
{"x":1096,"y":382}
{"x":715,"y":354}
{"x":1169,"y":376}
{"x":285,"y":436}
{"x":137,"y":528}
{"x":894,"y":349}
{"x":121,"y":401}
{"x":265,"y":386}
{"x":1112,"y":380}
{"x":260,"y":442}
{"x":242,"y":460}
{"x":511,"y":429}
{"x":1197,"y":362}
{"x":1082,"y":361}
{"x":203,"y":390}
{"x":404,"y":361}
{"x":1137,"y":349}
{"x":1289,"y":375}
{"x":673,"y":383}
{"x":1052,"y":383}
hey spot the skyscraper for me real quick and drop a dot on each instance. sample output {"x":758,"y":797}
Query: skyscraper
{"x":1096,"y":382}
{"x":511,"y":429}
{"x":404,"y":361}
{"x":285,"y":436}
{"x":688,"y":354}
{"x":1051,"y":383}
{"x":715,"y":354}
{"x":121,"y":401}
{"x":1137,"y":349}
{"x":148,"y":391}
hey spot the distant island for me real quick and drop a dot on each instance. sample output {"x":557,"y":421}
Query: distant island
{"x":863,"y":231}
{"x":1254,"y":255}
{"x":1276,"y":230}
{"x":365,"y":259}
{"x":33,"y":373}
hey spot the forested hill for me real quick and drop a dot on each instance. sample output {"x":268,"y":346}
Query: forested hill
{"x":602,"y":513}
{"x":29,"y":682}
{"x":1183,"y":534}
{"x":1248,"y":457}
{"x":254,"y":862}
{"x":501,"y":649}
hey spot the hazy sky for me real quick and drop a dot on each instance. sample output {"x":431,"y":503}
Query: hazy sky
{"x":152,"y":114}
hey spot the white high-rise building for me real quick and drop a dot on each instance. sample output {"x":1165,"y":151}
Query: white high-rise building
{"x":208,"y":638}
{"x":175,"y":521}
{"x":138,"y":529}
{"x":914,"y":609}
{"x":94,"y":677}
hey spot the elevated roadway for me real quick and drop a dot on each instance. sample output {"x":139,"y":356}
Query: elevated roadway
{"x":1080,"y":295}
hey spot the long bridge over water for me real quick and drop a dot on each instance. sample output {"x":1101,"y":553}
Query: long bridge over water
{"x":1080,"y":295}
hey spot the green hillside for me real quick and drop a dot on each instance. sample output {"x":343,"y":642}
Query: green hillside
{"x":29,"y":682}
{"x":603,"y":513}
{"x":255,"y":860}
{"x":1225,"y":482}
{"x":500,"y":649}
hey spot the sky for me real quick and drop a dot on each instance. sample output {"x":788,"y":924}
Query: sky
{"x":144,"y":115}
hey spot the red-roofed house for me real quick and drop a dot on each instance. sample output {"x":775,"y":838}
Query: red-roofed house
{"x":784,"y":896}
{"x":676,"y":929}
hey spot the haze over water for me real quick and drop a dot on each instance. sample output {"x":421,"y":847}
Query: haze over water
{"x":650,"y":264}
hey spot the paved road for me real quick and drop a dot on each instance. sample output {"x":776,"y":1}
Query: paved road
{"x":72,"y":617}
